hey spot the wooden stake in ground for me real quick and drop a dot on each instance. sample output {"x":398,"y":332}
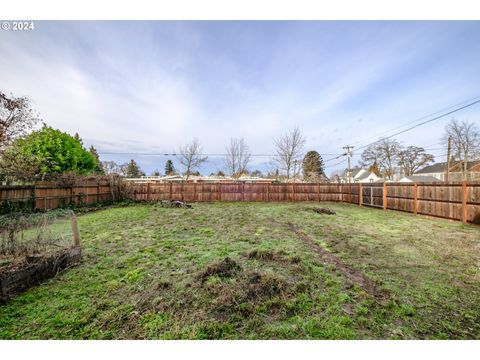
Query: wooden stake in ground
{"x":76,"y":233}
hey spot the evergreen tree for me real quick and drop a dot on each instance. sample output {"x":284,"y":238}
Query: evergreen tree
{"x":169,"y":168}
{"x":312,"y":166}
{"x":133,"y":170}
{"x":98,"y":168}
{"x":156,"y":173}
{"x":78,"y":138}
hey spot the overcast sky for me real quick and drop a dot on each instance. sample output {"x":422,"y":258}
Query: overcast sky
{"x":141,"y":86}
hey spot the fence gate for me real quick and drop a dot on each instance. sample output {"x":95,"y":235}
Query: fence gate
{"x":372,"y":195}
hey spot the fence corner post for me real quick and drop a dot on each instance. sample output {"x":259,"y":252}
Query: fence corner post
{"x":76,"y":233}
{"x":385,"y":194}
{"x":464,"y":201}
{"x":360,"y":195}
{"x":415,"y":198}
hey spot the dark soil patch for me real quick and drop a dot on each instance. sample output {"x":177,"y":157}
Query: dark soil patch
{"x":175,"y":204}
{"x":247,"y":290}
{"x":352,"y":275}
{"x":324,"y":211}
{"x":265,"y":285}
{"x":224,"y":269}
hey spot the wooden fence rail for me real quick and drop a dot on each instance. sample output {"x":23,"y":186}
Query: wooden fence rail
{"x":456,"y":201}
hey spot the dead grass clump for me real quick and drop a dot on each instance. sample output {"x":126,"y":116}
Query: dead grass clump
{"x":223,"y":269}
{"x":324,"y":211}
{"x":263,"y":255}
{"x":265,"y":286}
{"x":295,"y":259}
{"x":269,"y":255}
{"x":240,"y":299}
{"x":163,"y":284}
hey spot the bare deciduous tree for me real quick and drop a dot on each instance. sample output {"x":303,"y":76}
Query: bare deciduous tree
{"x":413,"y":158}
{"x":111,"y":167}
{"x":16,"y":118}
{"x":112,"y":170}
{"x":465,"y":141}
{"x":237,"y":158}
{"x":190,"y":157}
{"x":288,"y":150}
{"x":383,"y":155}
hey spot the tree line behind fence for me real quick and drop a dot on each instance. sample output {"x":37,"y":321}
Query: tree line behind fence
{"x":456,"y":201}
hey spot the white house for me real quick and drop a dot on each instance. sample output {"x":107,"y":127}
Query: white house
{"x":359,"y":175}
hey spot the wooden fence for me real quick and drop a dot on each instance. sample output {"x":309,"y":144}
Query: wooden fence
{"x":456,"y":201}
{"x":52,"y":195}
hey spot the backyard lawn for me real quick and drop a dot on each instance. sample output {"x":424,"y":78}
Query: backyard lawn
{"x":259,"y":271}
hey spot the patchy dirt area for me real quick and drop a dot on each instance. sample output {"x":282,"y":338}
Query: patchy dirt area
{"x":354,"y":277}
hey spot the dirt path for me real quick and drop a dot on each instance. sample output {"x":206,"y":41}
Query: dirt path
{"x":353,"y":276}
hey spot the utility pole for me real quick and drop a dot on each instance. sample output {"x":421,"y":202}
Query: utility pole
{"x":448,"y":157}
{"x":349,"y":148}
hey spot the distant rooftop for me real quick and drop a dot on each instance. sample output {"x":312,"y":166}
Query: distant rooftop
{"x":442,"y":167}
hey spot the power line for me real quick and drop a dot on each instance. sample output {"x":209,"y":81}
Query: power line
{"x":414,"y":121}
{"x":341,"y":162}
{"x":423,"y":123}
{"x":175,"y":154}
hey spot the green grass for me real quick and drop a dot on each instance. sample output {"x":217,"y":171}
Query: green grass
{"x":150,"y":273}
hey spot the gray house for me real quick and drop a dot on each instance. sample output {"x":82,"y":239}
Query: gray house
{"x":439,"y":171}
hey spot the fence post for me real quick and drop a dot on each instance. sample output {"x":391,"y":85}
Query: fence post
{"x":385,"y":199}
{"x":318,"y":192}
{"x":33,"y":198}
{"x":243,"y":191}
{"x":293,"y":191}
{"x":268,"y":192}
{"x":76,"y":233}
{"x":194,"y":191}
{"x":415,"y":199}
{"x":98,"y":191}
{"x":360,"y":195}
{"x":464,"y":201}
{"x":148,"y":191}
{"x":341,"y":193}
{"x":171,"y":194}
